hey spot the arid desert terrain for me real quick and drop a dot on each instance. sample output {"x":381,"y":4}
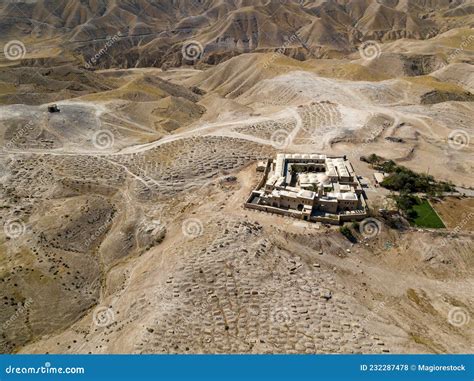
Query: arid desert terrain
{"x":122,"y":211}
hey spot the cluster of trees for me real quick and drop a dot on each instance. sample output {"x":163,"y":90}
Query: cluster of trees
{"x":406,"y":202}
{"x":404,"y":180}
{"x":346,"y":232}
{"x":298,"y":168}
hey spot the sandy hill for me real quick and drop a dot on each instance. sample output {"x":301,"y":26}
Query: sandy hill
{"x":238,"y":74}
{"x":147,"y":33}
{"x":42,"y":85}
{"x":461,"y":74}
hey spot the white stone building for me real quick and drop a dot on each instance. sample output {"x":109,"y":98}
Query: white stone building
{"x":311,"y":187}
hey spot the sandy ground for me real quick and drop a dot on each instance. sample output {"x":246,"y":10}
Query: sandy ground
{"x":138,"y":241}
{"x":206,"y":291}
{"x":457,"y":213}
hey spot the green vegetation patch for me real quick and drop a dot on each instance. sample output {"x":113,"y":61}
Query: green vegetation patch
{"x":346,"y":232}
{"x":426,"y":216}
{"x":419,"y":212}
{"x":402,"y":179}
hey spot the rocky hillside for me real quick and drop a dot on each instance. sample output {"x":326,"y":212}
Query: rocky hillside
{"x":107,"y":33}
